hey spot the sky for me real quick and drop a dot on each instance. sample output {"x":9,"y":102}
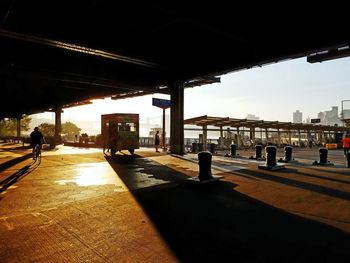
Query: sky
{"x":271,"y":92}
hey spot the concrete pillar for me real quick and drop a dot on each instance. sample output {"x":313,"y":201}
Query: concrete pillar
{"x":238,"y":139}
{"x":58,"y":124}
{"x":19,"y":126}
{"x":177,"y":118}
{"x":205,"y":137}
{"x":323,"y":137}
{"x":221,"y":141}
{"x":299,"y":138}
{"x":267,"y":135}
{"x":278,"y":137}
{"x":290,"y":137}
{"x":252,"y":135}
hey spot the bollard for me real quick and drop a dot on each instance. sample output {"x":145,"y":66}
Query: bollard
{"x":204,"y":162}
{"x":212,"y":148}
{"x":271,"y":155}
{"x":348,"y":160}
{"x":194,"y":147}
{"x":233,"y":149}
{"x":271,"y":163}
{"x":288,"y":153}
{"x":323,"y":158}
{"x":323,"y":155}
{"x":258,"y":150}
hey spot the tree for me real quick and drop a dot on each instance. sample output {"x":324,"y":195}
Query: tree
{"x":69,"y":130}
{"x":8,"y":127}
{"x":47,"y":129}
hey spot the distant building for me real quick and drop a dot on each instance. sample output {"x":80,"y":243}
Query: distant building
{"x":252,"y":117}
{"x":308,"y":120}
{"x":297,"y":117}
{"x":330,"y":117}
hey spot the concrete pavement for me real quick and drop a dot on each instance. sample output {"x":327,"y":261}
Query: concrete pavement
{"x":81,"y":206}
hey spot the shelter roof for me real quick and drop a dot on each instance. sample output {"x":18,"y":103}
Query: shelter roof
{"x":233,"y":122}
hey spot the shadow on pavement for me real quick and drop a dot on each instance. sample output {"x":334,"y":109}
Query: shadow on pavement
{"x":215,"y":223}
{"x":18,"y":175}
{"x":325,"y":177}
{"x":295,"y":183}
{"x":14,"y":161}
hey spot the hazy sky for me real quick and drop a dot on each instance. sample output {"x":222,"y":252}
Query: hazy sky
{"x":272,"y":92}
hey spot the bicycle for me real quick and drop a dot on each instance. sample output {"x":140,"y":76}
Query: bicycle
{"x":37,"y":152}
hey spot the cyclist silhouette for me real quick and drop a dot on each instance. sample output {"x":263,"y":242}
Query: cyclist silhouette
{"x":36,"y":138}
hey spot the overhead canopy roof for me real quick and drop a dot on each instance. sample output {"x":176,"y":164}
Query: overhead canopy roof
{"x":232,"y":122}
{"x":54,"y":53}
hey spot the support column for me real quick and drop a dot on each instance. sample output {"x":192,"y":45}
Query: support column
{"x":267,"y":136}
{"x":177,"y":118}
{"x":290,"y":137}
{"x":163,"y":133}
{"x":252,"y":135}
{"x":278,"y":137}
{"x":299,"y":138}
{"x":238,"y":139}
{"x":205,"y":137}
{"x":58,"y":112}
{"x":323,"y":138}
{"x":221,"y":145}
{"x":19,"y":126}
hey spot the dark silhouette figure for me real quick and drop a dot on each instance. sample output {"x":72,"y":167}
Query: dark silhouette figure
{"x":346,"y":144}
{"x":36,"y":138}
{"x":156,"y":141}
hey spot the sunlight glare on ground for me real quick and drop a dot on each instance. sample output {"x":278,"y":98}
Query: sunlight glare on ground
{"x":94,"y":174}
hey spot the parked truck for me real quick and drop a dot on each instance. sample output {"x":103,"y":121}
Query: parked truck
{"x":120,"y":131}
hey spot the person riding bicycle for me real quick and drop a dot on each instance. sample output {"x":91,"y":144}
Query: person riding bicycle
{"x":36,"y":138}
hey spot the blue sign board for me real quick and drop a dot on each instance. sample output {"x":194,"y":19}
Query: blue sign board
{"x":161,"y":103}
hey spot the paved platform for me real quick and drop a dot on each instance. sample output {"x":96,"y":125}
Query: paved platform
{"x":78,"y":205}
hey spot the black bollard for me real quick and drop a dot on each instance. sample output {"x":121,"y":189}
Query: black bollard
{"x":323,"y":155}
{"x":288,"y":153}
{"x":348,"y":160}
{"x":323,"y":158}
{"x":271,"y":155}
{"x":233,"y":149}
{"x":204,"y":162}
{"x":258,"y":150}
{"x":271,"y":163}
